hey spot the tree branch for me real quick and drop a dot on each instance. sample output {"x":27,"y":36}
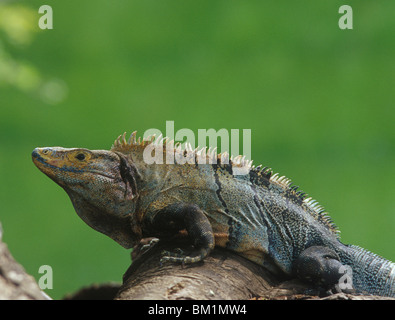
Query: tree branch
{"x":222,"y":276}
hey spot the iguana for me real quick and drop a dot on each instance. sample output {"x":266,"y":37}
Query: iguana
{"x":258,"y":215}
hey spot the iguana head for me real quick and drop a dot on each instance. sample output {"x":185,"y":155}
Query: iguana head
{"x":101,"y":185}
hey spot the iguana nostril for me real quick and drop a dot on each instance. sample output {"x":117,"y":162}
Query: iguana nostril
{"x":35,"y":153}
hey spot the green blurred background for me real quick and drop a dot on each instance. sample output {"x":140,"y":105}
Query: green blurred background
{"x":319,"y":101}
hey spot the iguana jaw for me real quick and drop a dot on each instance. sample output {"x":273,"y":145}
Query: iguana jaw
{"x":88,"y":175}
{"x":55,"y":161}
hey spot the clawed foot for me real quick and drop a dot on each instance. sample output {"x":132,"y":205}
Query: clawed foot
{"x":179,"y":256}
{"x":144,"y":245}
{"x":151,"y":243}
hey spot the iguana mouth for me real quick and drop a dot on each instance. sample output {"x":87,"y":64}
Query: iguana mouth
{"x":42,"y":163}
{"x":39,"y":161}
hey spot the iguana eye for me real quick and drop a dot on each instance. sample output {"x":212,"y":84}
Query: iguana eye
{"x":80,"y":156}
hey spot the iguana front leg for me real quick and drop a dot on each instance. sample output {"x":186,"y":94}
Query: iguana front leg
{"x":187,"y":216}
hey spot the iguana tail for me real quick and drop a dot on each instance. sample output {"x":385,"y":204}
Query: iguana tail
{"x":370,"y":273}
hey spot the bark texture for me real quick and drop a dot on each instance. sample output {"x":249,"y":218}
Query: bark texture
{"x":15,"y":283}
{"x":222,"y":276}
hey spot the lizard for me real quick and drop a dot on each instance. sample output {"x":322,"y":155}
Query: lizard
{"x":261,"y":216}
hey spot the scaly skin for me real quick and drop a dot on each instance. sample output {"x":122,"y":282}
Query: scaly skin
{"x":258,"y":215}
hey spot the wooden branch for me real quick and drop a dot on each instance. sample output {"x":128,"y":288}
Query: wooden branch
{"x":15,"y":283}
{"x":222,"y":276}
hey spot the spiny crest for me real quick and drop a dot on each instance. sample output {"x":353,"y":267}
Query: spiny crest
{"x":120,"y":144}
{"x":321,"y":215}
{"x":259,"y":175}
{"x":201,"y":155}
{"x":265,"y":177}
